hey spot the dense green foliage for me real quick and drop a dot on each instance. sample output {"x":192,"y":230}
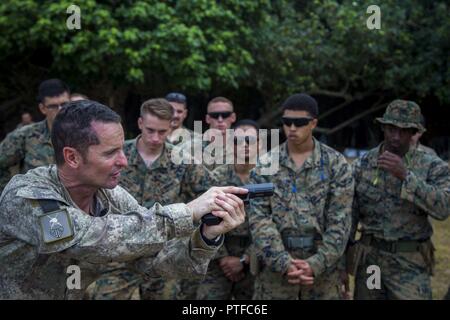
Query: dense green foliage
{"x":204,"y":46}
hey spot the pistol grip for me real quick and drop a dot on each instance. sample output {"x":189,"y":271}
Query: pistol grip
{"x":211,"y":220}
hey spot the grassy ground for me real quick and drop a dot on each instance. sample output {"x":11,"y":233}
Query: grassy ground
{"x":441,"y":279}
{"x":441,"y":240}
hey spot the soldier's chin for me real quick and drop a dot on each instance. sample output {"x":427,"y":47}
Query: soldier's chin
{"x":112,"y":183}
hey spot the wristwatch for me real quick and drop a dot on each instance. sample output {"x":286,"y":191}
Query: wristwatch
{"x":242,"y":260}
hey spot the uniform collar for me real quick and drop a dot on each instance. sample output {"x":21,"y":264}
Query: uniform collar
{"x":314,"y":160}
{"x":162,"y":161}
{"x":43,"y":128}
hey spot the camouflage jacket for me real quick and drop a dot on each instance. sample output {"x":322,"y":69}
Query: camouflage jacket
{"x":391,"y":209}
{"x":29,"y":146}
{"x":36,"y":248}
{"x":317,"y":197}
{"x":226,"y":156}
{"x":164,"y":182}
{"x":426,"y":149}
{"x":177,"y":136}
{"x":226,"y":175}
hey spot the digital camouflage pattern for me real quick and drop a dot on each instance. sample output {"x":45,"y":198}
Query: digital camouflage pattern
{"x":313,"y":201}
{"x":426,"y":149}
{"x":29,"y":147}
{"x":402,"y":114}
{"x":164,"y":182}
{"x":176,"y":137}
{"x":390,"y":209}
{"x":33,"y":269}
{"x":215,"y":285}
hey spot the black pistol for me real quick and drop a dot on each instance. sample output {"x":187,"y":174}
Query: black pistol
{"x":254,"y":191}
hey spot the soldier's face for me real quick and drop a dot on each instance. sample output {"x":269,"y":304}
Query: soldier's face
{"x":180,"y":114}
{"x":51,"y":105}
{"x":298,"y":135}
{"x":154,"y":131}
{"x":397,"y":140}
{"x":219,"y":121}
{"x":103,"y":162}
{"x":245,"y":149}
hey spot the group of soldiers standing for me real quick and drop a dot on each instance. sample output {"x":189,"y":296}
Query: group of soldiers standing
{"x":327,"y":218}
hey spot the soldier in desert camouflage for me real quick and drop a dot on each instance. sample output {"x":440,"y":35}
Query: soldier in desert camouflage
{"x":73,"y":213}
{"x":151,"y":176}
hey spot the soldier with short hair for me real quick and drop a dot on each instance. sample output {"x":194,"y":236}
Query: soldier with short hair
{"x":398,"y":188}
{"x":30,"y":146}
{"x":75,"y":214}
{"x":152,"y":177}
{"x":300,"y":233}
{"x":179,"y":132}
{"x":228,"y":275}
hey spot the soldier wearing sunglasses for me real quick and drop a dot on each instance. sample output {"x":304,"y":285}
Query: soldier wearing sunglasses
{"x":220,"y":116}
{"x":301,"y":232}
{"x":30,"y":146}
{"x":228,"y":275}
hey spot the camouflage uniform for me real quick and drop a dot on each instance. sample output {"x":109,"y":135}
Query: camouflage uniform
{"x":215,"y":285}
{"x":197,"y":139}
{"x":36,"y":248}
{"x":426,"y":149}
{"x":394,"y":215}
{"x":29,"y":146}
{"x":309,"y":217}
{"x":227,"y":154}
{"x":180,"y":133}
{"x":164,"y":182}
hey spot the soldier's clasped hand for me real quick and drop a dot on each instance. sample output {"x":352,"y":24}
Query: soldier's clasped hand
{"x":393,"y":164}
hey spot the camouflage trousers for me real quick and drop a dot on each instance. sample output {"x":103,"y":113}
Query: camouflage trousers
{"x":118,"y":285}
{"x":274,"y":286}
{"x":185,"y":289}
{"x":216,"y":286}
{"x":403,"y":276}
{"x":157,"y":289}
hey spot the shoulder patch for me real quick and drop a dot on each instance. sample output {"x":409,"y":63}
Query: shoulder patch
{"x":56,"y":226}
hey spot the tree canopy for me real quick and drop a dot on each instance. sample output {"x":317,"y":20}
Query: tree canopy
{"x":202,"y":46}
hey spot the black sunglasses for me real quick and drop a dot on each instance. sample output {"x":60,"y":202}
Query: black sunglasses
{"x":248,"y":139}
{"x":176,"y":97}
{"x":298,"y":122}
{"x":216,"y":115}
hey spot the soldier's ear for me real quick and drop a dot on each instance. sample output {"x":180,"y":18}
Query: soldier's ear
{"x":43,"y":109}
{"x":72,"y":157}
{"x":233,"y":117}
{"x":140,"y":123}
{"x":208,"y":119}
